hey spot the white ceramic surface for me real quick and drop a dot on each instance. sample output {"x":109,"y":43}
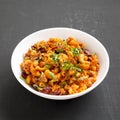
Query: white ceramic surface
{"x":91,"y":43}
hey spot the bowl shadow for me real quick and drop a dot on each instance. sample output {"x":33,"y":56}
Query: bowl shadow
{"x":18,"y":103}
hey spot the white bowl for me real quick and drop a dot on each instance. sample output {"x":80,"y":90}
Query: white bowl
{"x":91,"y":43}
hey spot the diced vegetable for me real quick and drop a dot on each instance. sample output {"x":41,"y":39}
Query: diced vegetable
{"x":59,"y":50}
{"x":63,"y":84}
{"x":75,"y":51}
{"x":52,"y":75}
{"x":22,"y":78}
{"x":83,"y":77}
{"x":37,"y":87}
{"x":80,"y":50}
{"x":76,"y":68}
{"x":48,"y":66}
{"x":55,"y":57}
{"x":66,"y":66}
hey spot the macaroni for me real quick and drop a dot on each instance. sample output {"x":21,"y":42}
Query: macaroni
{"x":59,"y":67}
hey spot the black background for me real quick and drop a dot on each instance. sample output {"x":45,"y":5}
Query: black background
{"x":19,"y":18}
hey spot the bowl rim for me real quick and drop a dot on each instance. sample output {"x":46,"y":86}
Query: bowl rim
{"x":61,"y":97}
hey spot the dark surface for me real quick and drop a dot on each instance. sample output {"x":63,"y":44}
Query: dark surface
{"x":19,"y":18}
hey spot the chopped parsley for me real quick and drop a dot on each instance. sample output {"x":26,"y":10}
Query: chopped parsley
{"x":55,"y":57}
{"x":66,"y":65}
{"x":48,"y":66}
{"x":75,"y":51}
{"x":63,"y":84}
{"x":37,"y":87}
{"x":59,"y":50}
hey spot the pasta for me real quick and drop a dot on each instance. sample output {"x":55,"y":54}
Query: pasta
{"x":59,"y":67}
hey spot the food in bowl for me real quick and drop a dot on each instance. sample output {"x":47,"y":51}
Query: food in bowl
{"x":59,"y":67}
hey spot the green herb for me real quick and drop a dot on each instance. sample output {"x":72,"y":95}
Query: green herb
{"x":65,"y":43}
{"x":37,"y":87}
{"x":80,"y":50}
{"x":48,"y":66}
{"x":41,"y":74}
{"x":66,"y":66}
{"x":75,"y":51}
{"x":22,"y":78}
{"x":52,"y":75}
{"x":76,"y":65}
{"x":83,"y":77}
{"x":76,"y":68}
{"x":63,"y":84}
{"x":60,"y":50}
{"x":55,"y":57}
